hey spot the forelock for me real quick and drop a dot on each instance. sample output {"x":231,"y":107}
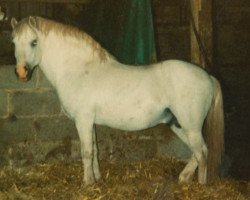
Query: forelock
{"x":20,"y":28}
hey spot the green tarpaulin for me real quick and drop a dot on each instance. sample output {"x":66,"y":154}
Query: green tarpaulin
{"x":124,"y":28}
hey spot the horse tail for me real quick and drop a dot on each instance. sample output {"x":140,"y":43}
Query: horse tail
{"x":213,"y":131}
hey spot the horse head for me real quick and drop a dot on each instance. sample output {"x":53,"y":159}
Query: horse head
{"x":25,"y":36}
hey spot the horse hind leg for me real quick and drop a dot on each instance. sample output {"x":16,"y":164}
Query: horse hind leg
{"x":187,"y":173}
{"x":200,"y":152}
{"x":198,"y":158}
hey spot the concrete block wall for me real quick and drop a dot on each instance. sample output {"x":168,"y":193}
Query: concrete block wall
{"x":33,"y":128}
{"x":31,"y":118}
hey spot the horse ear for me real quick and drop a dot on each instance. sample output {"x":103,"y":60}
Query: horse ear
{"x":13,"y":22}
{"x":32,"y":22}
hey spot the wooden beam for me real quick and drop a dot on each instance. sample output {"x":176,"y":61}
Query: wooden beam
{"x":195,"y":6}
{"x":233,"y":3}
{"x":201,"y":32}
{"x":49,"y":1}
{"x":206,"y":32}
{"x":170,"y":2}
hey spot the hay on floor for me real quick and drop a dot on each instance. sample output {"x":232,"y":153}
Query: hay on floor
{"x":153,"y":179}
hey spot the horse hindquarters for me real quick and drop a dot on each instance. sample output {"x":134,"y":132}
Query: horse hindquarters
{"x":206,"y":156}
{"x":193,"y":102}
{"x":213,"y":132}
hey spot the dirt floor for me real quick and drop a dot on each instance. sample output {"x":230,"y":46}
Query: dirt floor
{"x":152,"y":179}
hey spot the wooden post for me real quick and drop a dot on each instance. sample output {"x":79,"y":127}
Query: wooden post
{"x":195,"y":21}
{"x":202,"y":47}
{"x":202,"y":54}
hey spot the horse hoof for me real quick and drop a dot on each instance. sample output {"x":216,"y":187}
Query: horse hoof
{"x":185,"y":178}
{"x":97,"y":175}
{"x":183,"y":181}
{"x":202,"y":181}
{"x":89,"y":182}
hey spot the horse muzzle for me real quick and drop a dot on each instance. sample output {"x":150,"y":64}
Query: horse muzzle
{"x":23,"y":73}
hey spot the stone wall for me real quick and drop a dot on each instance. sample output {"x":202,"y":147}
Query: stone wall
{"x":30,"y":113}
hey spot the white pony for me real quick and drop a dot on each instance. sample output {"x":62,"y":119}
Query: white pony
{"x":94,"y":88}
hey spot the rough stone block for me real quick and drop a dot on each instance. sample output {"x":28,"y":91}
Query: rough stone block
{"x":28,"y":152}
{"x":3,"y":104}
{"x":42,"y":81}
{"x":37,"y":102}
{"x":56,"y":128}
{"x":104,"y":142}
{"x":16,"y":130}
{"x":115,"y":144}
{"x":8,"y":79}
{"x":111,"y":141}
{"x":135,"y":149}
{"x":174,"y":147}
{"x":162,"y":132}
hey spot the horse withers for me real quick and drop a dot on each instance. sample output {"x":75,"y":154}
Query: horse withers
{"x":94,"y":88}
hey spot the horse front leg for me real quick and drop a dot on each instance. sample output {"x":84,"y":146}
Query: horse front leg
{"x":85,"y":131}
{"x":96,"y":168}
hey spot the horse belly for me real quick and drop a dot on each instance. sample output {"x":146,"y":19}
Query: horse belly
{"x":130,"y":118}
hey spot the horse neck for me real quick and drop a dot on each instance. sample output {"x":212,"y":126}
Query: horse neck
{"x":62,"y":57}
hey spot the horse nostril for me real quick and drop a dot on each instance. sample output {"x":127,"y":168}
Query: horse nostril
{"x":26,"y":69}
{"x":21,"y":72}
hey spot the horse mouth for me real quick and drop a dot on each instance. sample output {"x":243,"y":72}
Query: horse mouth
{"x":23,"y":73}
{"x":23,"y":79}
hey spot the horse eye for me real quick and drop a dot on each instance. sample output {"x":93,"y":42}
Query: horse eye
{"x":33,"y":43}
